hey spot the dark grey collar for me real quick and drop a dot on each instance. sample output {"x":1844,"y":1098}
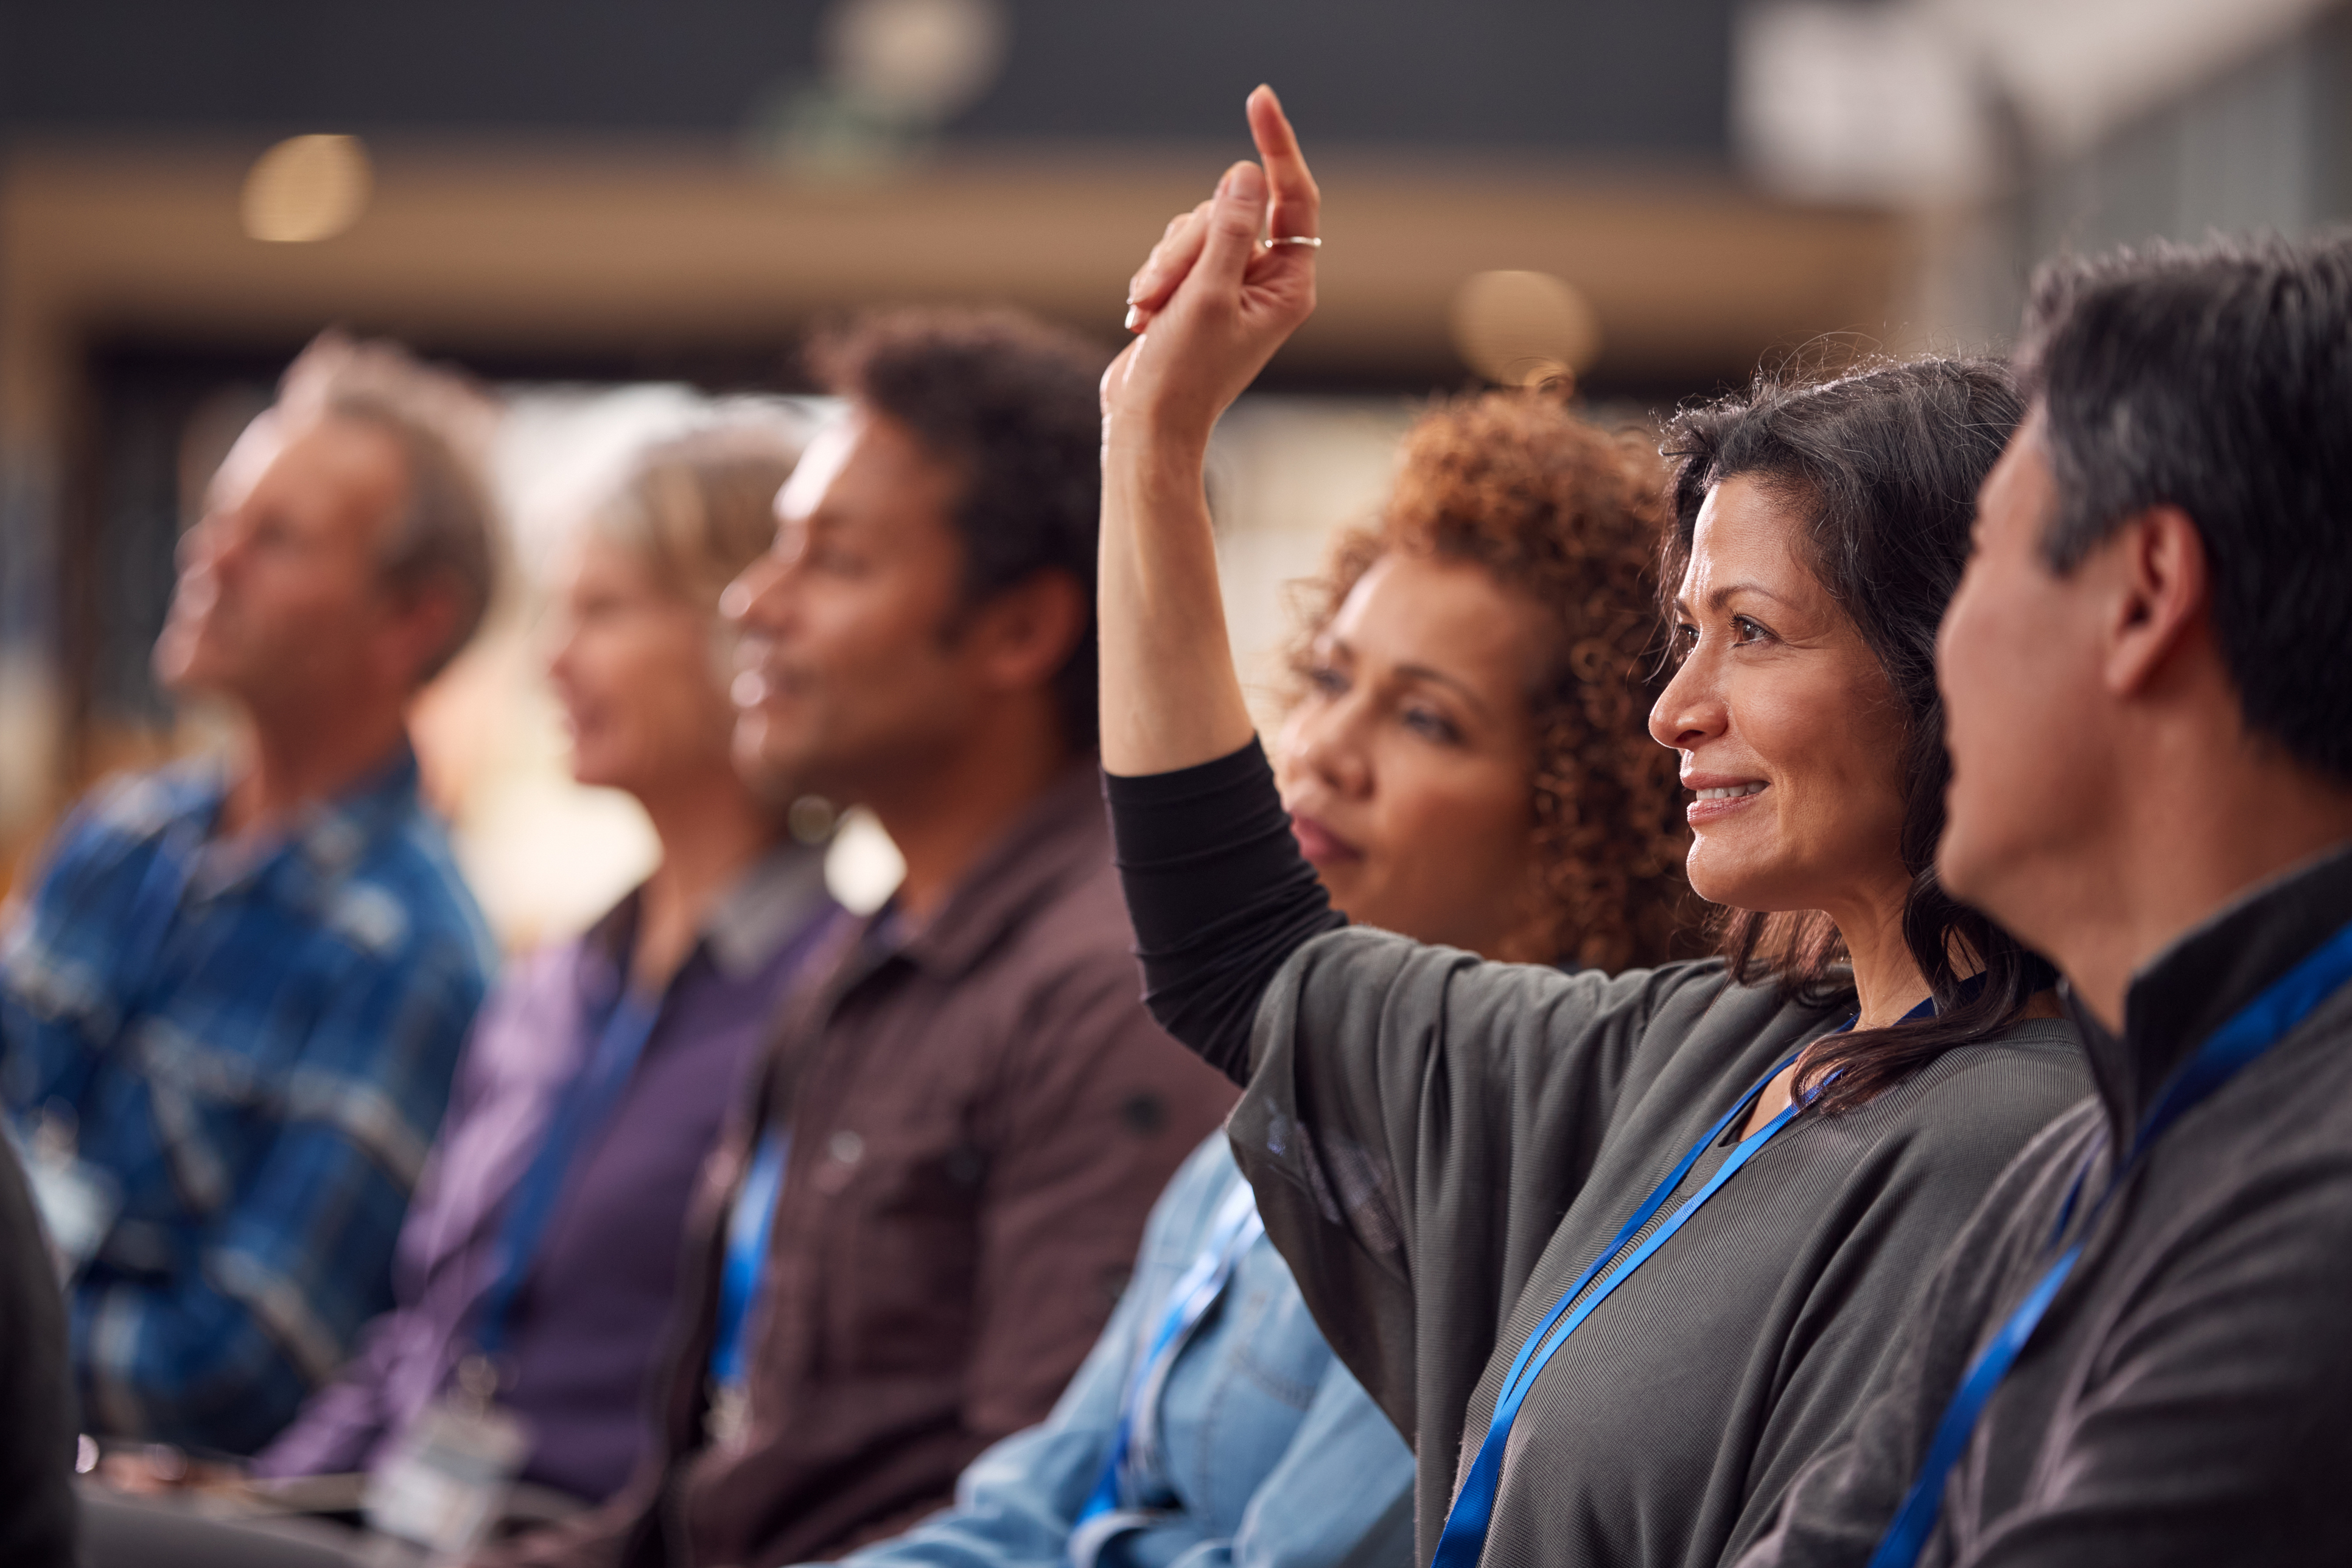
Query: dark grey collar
{"x":2185,"y":992}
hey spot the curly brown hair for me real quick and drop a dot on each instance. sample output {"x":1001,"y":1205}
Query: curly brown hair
{"x":1569,"y":518}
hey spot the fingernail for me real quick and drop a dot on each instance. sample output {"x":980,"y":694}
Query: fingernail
{"x":1249,"y":184}
{"x":1134,"y":317}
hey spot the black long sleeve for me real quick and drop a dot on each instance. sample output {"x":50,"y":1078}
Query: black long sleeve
{"x":1219,"y":895}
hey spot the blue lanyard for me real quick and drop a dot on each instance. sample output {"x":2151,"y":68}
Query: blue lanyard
{"x":748,"y":1224}
{"x":612,"y":1060}
{"x":1135,"y":1442}
{"x":2251,"y":1031}
{"x":1465,"y":1536}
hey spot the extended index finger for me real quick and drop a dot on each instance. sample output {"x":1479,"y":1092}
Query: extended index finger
{"x":1298,"y":205}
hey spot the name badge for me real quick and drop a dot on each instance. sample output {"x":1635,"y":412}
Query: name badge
{"x":727,"y":1421}
{"x":447,"y":1480}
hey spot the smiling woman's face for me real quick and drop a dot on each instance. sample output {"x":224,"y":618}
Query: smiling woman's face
{"x":1407,"y":765}
{"x":1791,"y":733}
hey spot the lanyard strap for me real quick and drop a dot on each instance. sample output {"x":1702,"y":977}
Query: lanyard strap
{"x":579,"y":1118}
{"x":748,"y":1224}
{"x":2250,"y":1032}
{"x":1467,"y":1522}
{"x":1135,"y":1444}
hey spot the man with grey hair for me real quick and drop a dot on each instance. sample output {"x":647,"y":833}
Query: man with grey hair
{"x":233,"y":996}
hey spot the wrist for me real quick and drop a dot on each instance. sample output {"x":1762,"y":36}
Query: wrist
{"x":1141,"y":444}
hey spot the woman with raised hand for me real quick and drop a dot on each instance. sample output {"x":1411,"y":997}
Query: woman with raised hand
{"x":1460,"y":750}
{"x":1616,"y":1250}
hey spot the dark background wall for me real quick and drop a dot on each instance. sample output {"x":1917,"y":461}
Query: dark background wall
{"x":1545,"y":75}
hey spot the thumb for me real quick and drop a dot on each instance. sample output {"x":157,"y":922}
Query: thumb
{"x":1234,"y":221}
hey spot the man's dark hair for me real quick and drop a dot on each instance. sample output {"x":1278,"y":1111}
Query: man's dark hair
{"x":1883,"y":467}
{"x":2217,"y":378}
{"x":1013,"y":405}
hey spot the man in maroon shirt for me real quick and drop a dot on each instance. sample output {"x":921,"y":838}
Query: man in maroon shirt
{"x":913,"y":1233}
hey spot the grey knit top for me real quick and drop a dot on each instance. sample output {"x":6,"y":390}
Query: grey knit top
{"x":1441,"y":1145}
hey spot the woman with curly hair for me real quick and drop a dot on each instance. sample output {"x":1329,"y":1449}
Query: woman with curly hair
{"x":1531,"y":820}
{"x":1618,"y":1250}
{"x":1457,"y":764}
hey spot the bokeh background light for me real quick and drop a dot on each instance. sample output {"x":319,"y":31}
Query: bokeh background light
{"x":1518,"y":328}
{"x":306,"y":189}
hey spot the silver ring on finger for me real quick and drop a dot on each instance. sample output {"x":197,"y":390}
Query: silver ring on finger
{"x":1308,"y":241}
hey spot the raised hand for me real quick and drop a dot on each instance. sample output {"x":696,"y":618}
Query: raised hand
{"x":1211,"y":302}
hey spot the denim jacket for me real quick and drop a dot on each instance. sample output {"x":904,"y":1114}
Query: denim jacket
{"x":1270,"y":1453}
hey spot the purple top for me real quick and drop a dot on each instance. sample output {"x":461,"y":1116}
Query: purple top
{"x":585,"y":1330}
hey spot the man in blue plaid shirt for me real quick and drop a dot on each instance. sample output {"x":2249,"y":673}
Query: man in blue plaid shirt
{"x":232,"y":1001}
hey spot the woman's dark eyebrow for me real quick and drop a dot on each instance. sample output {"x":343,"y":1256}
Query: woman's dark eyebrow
{"x":1716,"y":600}
{"x":1716,"y":597}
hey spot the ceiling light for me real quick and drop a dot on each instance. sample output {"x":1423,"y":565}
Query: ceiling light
{"x":307,"y":189}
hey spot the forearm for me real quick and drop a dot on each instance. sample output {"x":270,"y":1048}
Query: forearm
{"x":1015,"y":1504}
{"x":1219,"y":893}
{"x":1339,"y":1496}
{"x":1171,"y":697}
{"x":161,"y":1380}
{"x":275,"y":1292}
{"x":336,"y":1430}
{"x":340,"y":1425}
